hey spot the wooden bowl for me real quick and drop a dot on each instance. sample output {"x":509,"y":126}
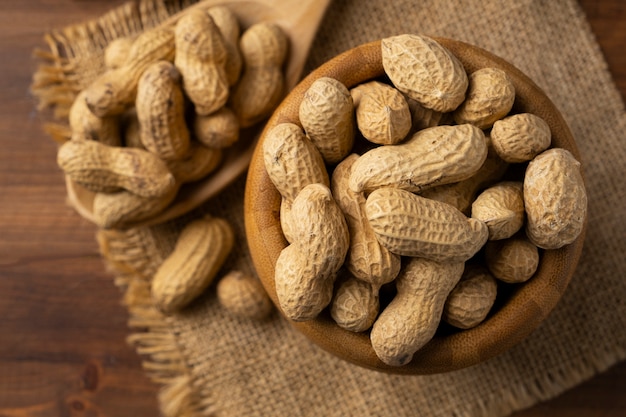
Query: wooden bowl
{"x":523,"y":308}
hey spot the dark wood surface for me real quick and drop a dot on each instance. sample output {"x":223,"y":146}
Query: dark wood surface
{"x":62,"y":327}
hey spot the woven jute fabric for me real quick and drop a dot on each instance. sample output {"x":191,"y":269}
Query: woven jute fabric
{"x":212,"y":363}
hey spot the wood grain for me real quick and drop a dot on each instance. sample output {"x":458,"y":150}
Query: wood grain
{"x":62,"y":337}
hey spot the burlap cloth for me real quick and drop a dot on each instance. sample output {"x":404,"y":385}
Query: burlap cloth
{"x":211,"y":363}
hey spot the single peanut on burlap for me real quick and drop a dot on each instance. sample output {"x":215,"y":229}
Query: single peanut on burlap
{"x":243,"y":295}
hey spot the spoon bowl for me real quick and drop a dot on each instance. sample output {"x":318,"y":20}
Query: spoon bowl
{"x":299,"y":20}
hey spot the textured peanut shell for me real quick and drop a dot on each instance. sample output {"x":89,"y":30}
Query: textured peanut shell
{"x":489,"y":98}
{"x":422,"y":118}
{"x":424,"y":70}
{"x":434,"y":156}
{"x":501,"y":208}
{"x":327,"y":116}
{"x":217,"y":130}
{"x":520,"y":137}
{"x":463,"y":193}
{"x":292,"y":161}
{"x":514,"y":317}
{"x":513,"y":260}
{"x":410,"y":225}
{"x":227,"y":23}
{"x":86,"y":125}
{"x":412,"y":317}
{"x":261,"y":86}
{"x":201,"y":59}
{"x":382,"y":113}
{"x":555,"y":199}
{"x":117,"y":51}
{"x":199,"y":162}
{"x":200,"y":251}
{"x":471,"y":299}
{"x":243,"y":295}
{"x":136,"y":170}
{"x":355,"y":304}
{"x":114,"y":91}
{"x":367,"y":259}
{"x":123,"y":208}
{"x":160,"y":110}
{"x":306,"y":269}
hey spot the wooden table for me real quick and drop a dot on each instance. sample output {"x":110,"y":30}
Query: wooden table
{"x":62,"y":327}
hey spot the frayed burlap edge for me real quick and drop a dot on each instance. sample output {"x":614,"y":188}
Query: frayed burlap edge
{"x":57,"y":81}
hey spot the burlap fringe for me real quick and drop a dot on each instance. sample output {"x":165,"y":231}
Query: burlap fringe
{"x":132,"y":257}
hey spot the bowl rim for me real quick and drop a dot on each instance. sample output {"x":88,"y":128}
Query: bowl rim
{"x":528,"y":305}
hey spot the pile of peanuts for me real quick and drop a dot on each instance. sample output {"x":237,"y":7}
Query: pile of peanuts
{"x":403,"y":186}
{"x":167,"y":105}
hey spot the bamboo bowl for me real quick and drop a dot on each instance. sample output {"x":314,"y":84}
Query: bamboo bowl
{"x":516,"y":313}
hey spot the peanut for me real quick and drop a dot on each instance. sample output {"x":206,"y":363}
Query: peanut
{"x":411,"y":319}
{"x":201,"y":58}
{"x":260,"y":88}
{"x":306,"y":269}
{"x":200,"y":251}
{"x":513,"y":260}
{"x":520,"y":137}
{"x":501,"y":208}
{"x":422,"y":118}
{"x":434,"y":156}
{"x":366,"y":259}
{"x":227,"y":23}
{"x":217,"y":130}
{"x":199,"y":162}
{"x":114,"y":91}
{"x":355,"y":304}
{"x":471,"y":299}
{"x":116,"y":52}
{"x":132,"y":130}
{"x":107,"y":168}
{"x":489,"y":98}
{"x":243,"y":295}
{"x":161,"y":112}
{"x":86,"y":125}
{"x":382,"y":113}
{"x":410,"y":225}
{"x":425,"y":71}
{"x":327,"y":116}
{"x":555,"y":199}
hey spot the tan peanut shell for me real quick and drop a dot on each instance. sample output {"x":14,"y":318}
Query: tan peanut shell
{"x":292,"y":161}
{"x":382,"y":113}
{"x":117,"y":51}
{"x":489,"y":98}
{"x":200,"y":251}
{"x":520,"y":137}
{"x":501,"y":208}
{"x":285,"y":219}
{"x":410,"y":225}
{"x":307,"y":268}
{"x":123,"y":208}
{"x":422,"y":118}
{"x":555,"y":199}
{"x":114,"y":91}
{"x":217,"y":130}
{"x":201,"y":59}
{"x":411,"y":319}
{"x":471,"y":299}
{"x":355,"y":304}
{"x":199,"y":162}
{"x":136,"y":170}
{"x":513,"y":260}
{"x":327,"y":116}
{"x":424,"y":70}
{"x":263,"y":47}
{"x":160,"y":110}
{"x":463,"y":193}
{"x":86,"y":125}
{"x":227,"y":23}
{"x":434,"y":156}
{"x":243,"y":295}
{"x":367,"y":259}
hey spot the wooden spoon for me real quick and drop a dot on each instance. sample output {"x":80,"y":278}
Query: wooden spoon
{"x":300,"y":20}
